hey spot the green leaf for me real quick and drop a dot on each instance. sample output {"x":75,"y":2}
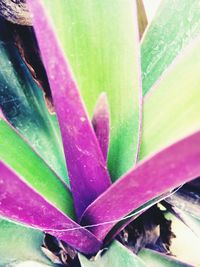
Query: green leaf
{"x":17,"y":153}
{"x":116,"y":255}
{"x":176,"y":23}
{"x":100,"y":40}
{"x":155,"y":259}
{"x":22,"y":102}
{"x":171,"y":110}
{"x":19,"y":243}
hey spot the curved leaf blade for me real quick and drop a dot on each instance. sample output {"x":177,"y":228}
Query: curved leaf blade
{"x":163,"y":172}
{"x":33,"y":210}
{"x":100,"y":40}
{"x":15,"y":152}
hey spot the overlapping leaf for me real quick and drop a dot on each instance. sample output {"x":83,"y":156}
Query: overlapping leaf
{"x":33,"y":210}
{"x":162,"y":172}
{"x":22,"y":103}
{"x":100,"y":40}
{"x":85,"y":162}
{"x":19,"y":243}
{"x":15,"y":152}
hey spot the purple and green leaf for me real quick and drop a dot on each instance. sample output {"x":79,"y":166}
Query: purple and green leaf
{"x":85,"y":162}
{"x":33,"y":210}
{"x":22,"y":103}
{"x":100,"y":40}
{"x":15,"y":152}
{"x":166,"y":170}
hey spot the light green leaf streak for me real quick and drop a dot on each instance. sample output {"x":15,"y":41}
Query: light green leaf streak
{"x":171,"y":110}
{"x":176,"y":23}
{"x":100,"y":40}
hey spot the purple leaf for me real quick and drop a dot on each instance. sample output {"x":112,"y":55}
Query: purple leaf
{"x":166,"y":170}
{"x":101,"y":123}
{"x":85,"y":163}
{"x":19,"y":202}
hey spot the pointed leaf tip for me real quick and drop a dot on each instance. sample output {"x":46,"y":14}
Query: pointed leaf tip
{"x":101,"y":123}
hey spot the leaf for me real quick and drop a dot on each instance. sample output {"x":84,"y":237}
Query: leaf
{"x":142,"y":18}
{"x":30,"y":264}
{"x":190,"y":221}
{"x":100,"y":40}
{"x":22,"y":103}
{"x":33,"y":210}
{"x":101,"y":123}
{"x":155,"y":259}
{"x":175,"y":24}
{"x":19,"y":243}
{"x":187,"y":199}
{"x":116,"y":255}
{"x":186,"y":244}
{"x":171,"y":110}
{"x":86,"y":166}
{"x":15,"y":152}
{"x":163,"y":172}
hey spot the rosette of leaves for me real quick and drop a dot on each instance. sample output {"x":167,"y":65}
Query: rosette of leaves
{"x":97,"y":127}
